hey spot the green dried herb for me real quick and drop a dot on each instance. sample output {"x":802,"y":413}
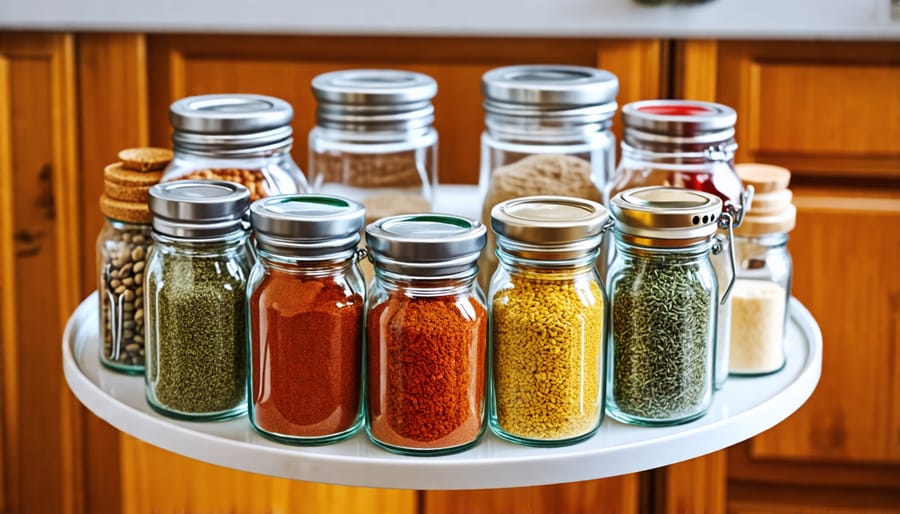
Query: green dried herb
{"x":662,"y":339}
{"x":199,"y":335}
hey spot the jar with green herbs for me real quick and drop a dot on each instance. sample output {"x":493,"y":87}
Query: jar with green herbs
{"x":548,"y":311}
{"x":663,"y":292}
{"x":195,"y":297}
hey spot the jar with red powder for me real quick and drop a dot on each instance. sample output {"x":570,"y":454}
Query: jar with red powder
{"x":306,"y":304}
{"x":426,"y":334}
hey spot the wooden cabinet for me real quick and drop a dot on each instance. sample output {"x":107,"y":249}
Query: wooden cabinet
{"x":831,"y":113}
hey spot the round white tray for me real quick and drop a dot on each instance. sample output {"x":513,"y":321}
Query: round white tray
{"x":742,"y":409}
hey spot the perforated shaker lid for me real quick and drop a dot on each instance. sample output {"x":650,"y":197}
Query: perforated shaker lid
{"x":667,"y":214}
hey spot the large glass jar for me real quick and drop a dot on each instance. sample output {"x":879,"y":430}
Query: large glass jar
{"x":306,"y":301}
{"x":547,"y":132}
{"x":240,"y":138}
{"x":427,"y":334}
{"x":687,"y":144}
{"x":195,"y":295}
{"x":548,"y":317}
{"x":762,"y":290}
{"x":663,"y":292}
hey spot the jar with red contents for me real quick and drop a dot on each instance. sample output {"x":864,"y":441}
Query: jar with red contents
{"x":687,"y":144}
{"x":426,"y":334}
{"x":306,"y":303}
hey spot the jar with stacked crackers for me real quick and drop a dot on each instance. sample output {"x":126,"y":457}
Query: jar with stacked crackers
{"x":240,"y":138}
{"x":122,"y":248}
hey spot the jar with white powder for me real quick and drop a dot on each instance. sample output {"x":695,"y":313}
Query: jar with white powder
{"x":763,"y":286}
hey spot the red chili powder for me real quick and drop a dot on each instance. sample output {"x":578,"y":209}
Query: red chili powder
{"x":306,"y":350}
{"x":426,"y":371}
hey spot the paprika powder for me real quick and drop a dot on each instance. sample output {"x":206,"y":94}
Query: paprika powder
{"x":306,"y":308}
{"x":427,"y":333}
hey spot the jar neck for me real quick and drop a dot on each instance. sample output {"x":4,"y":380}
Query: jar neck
{"x":414,"y":136}
{"x":544,"y":131}
{"x":427,"y":286}
{"x":775,"y":240}
{"x":127,"y":225}
{"x":693,"y":252}
{"x":226,"y":243}
{"x":583,"y":263}
{"x":329,"y":265}
{"x":701,"y":156}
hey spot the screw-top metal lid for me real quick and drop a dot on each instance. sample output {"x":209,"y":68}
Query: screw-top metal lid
{"x":674,"y":122}
{"x":228,"y":124}
{"x":549,"y":227}
{"x":576,"y":93}
{"x":426,"y":245}
{"x":198,"y":209}
{"x":373,"y":99}
{"x":665,"y":216}
{"x":310,"y":226}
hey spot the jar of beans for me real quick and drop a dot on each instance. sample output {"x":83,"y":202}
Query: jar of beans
{"x":306,"y":306}
{"x":122,"y":249}
{"x":195,"y":297}
{"x":240,"y":138}
{"x":427,"y":334}
{"x":548,"y":316}
{"x":663,"y":292}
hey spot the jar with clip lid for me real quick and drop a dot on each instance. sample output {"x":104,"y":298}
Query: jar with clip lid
{"x":548,"y":320}
{"x":240,"y":138}
{"x":427,"y":334}
{"x":547,"y":132}
{"x":687,"y":144}
{"x":306,"y":300}
{"x":663,"y":291}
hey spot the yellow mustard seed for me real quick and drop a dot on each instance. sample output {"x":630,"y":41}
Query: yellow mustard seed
{"x":547,"y":334}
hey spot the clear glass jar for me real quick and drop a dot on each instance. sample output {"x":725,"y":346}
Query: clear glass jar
{"x":122,"y":250}
{"x":547,"y":132}
{"x":663,"y":291}
{"x":427,"y":335}
{"x":240,"y":138}
{"x":196,"y":302}
{"x":548,"y":317}
{"x":687,"y":144}
{"x":306,"y":301}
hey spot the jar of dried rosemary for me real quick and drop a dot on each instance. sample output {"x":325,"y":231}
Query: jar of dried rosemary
{"x":194,"y":294}
{"x":663,"y":290}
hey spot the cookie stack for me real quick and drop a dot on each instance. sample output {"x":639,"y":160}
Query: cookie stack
{"x":126,"y":183}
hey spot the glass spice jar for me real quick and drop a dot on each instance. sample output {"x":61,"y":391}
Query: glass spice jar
{"x":663,"y":290}
{"x":547,"y":132}
{"x":306,"y":300}
{"x":122,"y":249}
{"x":240,"y":138}
{"x":762,"y":290}
{"x":427,"y":333}
{"x":548,"y":317}
{"x":687,"y":144}
{"x":195,"y":296}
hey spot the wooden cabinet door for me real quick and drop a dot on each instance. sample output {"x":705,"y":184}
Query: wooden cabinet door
{"x":831,"y":113}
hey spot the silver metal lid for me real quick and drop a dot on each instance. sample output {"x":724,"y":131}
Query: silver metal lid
{"x":198,"y":209}
{"x":426,"y":245}
{"x":677,"y":122}
{"x":231,"y":124}
{"x":665,"y":216}
{"x":373,"y":99}
{"x":549,"y":227}
{"x":308,"y":225}
{"x":576,"y":93}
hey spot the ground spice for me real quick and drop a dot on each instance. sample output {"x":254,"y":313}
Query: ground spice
{"x":197,"y":346}
{"x":306,"y":351}
{"x":426,"y":359}
{"x":547,"y":342}
{"x":757,"y":329}
{"x":662,"y":328}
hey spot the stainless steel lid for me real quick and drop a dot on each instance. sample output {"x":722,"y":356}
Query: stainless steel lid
{"x":426,"y":245}
{"x":674,"y":122}
{"x":578,"y":93}
{"x":307,"y":226}
{"x":373,"y":99}
{"x":198,"y":209}
{"x":231,"y":124}
{"x":549,"y":227}
{"x":665,"y":216}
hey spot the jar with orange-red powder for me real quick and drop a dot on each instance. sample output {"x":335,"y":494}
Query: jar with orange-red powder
{"x":306,"y":302}
{"x":426,"y":334}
